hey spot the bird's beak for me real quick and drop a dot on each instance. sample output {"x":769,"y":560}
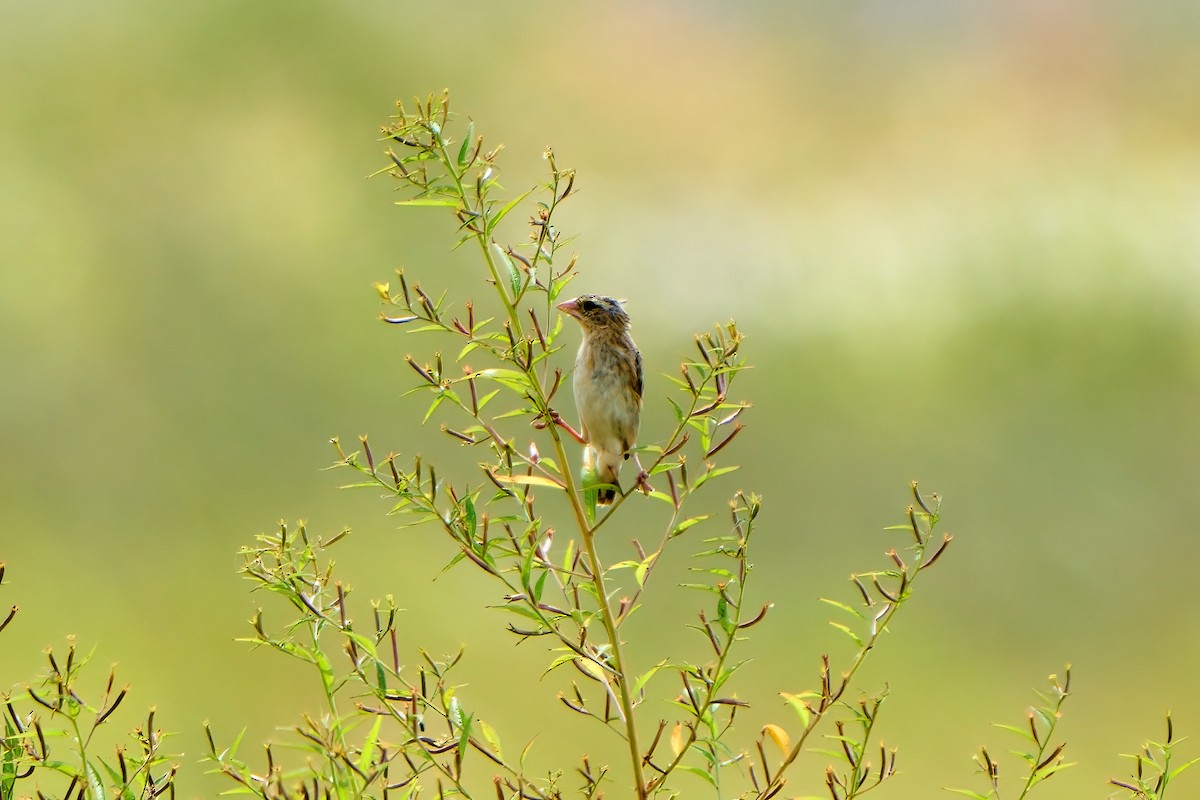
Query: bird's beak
{"x":570,"y":308}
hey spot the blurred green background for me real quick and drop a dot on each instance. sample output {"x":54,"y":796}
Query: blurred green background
{"x":964,"y":240}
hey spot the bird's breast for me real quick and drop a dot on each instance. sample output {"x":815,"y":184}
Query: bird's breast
{"x":608,"y":405}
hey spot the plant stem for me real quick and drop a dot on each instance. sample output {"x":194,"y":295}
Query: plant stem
{"x":596,"y":568}
{"x":595,"y":565}
{"x":859,"y":658}
{"x":480,"y":236}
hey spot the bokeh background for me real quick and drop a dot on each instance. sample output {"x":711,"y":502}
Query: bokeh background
{"x":964,"y":240}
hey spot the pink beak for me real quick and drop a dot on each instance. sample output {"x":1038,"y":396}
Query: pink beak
{"x":570,"y":308}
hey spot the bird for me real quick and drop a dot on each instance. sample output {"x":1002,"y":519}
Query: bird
{"x":608,"y":390}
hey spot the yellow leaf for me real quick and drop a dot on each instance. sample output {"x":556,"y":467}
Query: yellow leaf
{"x":677,"y":738}
{"x":800,"y":704}
{"x":384,"y":291}
{"x":591,"y":669}
{"x":529,"y":480}
{"x":779,"y":736}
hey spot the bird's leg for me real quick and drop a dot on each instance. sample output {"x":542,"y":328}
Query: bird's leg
{"x":643,"y":477}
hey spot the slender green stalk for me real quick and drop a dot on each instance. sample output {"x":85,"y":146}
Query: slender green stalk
{"x":907,"y":577}
{"x":587,"y":534}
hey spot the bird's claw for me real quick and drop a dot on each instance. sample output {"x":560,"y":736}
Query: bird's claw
{"x":643,"y":477}
{"x":551,"y":417}
{"x":556,"y":418}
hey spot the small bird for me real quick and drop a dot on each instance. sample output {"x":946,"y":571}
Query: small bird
{"x":608,"y":389}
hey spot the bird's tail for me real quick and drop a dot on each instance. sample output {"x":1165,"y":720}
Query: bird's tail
{"x":606,"y":467}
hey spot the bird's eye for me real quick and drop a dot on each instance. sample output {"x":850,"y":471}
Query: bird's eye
{"x":587,"y":305}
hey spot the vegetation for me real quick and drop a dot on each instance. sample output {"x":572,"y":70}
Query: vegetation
{"x":567,"y":573}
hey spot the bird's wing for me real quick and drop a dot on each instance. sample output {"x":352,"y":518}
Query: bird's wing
{"x":637,"y":367}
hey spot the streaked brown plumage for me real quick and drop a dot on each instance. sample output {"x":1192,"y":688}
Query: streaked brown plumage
{"x":608,"y":388}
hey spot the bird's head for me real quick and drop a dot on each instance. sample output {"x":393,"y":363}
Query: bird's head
{"x":596,"y":313}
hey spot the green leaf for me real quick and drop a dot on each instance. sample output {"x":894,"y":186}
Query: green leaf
{"x":360,"y":484}
{"x":454,"y":560}
{"x":11,"y":753}
{"x":429,"y":201}
{"x":381,"y":683}
{"x":590,"y":495}
{"x":679,"y":415}
{"x":687,"y":523}
{"x":727,"y":673}
{"x":588,"y":588}
{"x":843,"y":607}
{"x":549,"y":465}
{"x":521,"y":761}
{"x":1024,"y":733}
{"x":522,"y":611}
{"x":437,"y":401}
{"x":665,"y":466}
{"x":302,"y":653}
{"x":1046,"y":718}
{"x":724,"y":574}
{"x":420,"y":155}
{"x":704,"y":587}
{"x":846,"y":630}
{"x":507,"y":377}
{"x":642,"y":679}
{"x":527,"y":569}
{"x":796,"y":701}
{"x":126,"y":793}
{"x":364,"y":760}
{"x":464,"y":150}
{"x":490,"y":736}
{"x":697,"y":771}
{"x":326,"y":670}
{"x":464,"y":738}
{"x":483,"y":401}
{"x":514,"y":277}
{"x":467,"y":348}
{"x":1046,"y":772}
{"x":568,"y":555}
{"x":723,"y":614}
{"x":237,"y":741}
{"x":495,"y":220}
{"x":969,"y":793}
{"x":639,"y":574}
{"x":364,"y":643}
{"x":713,"y":473}
{"x":469,"y":517}
{"x":516,"y":412}
{"x":566,"y":658}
